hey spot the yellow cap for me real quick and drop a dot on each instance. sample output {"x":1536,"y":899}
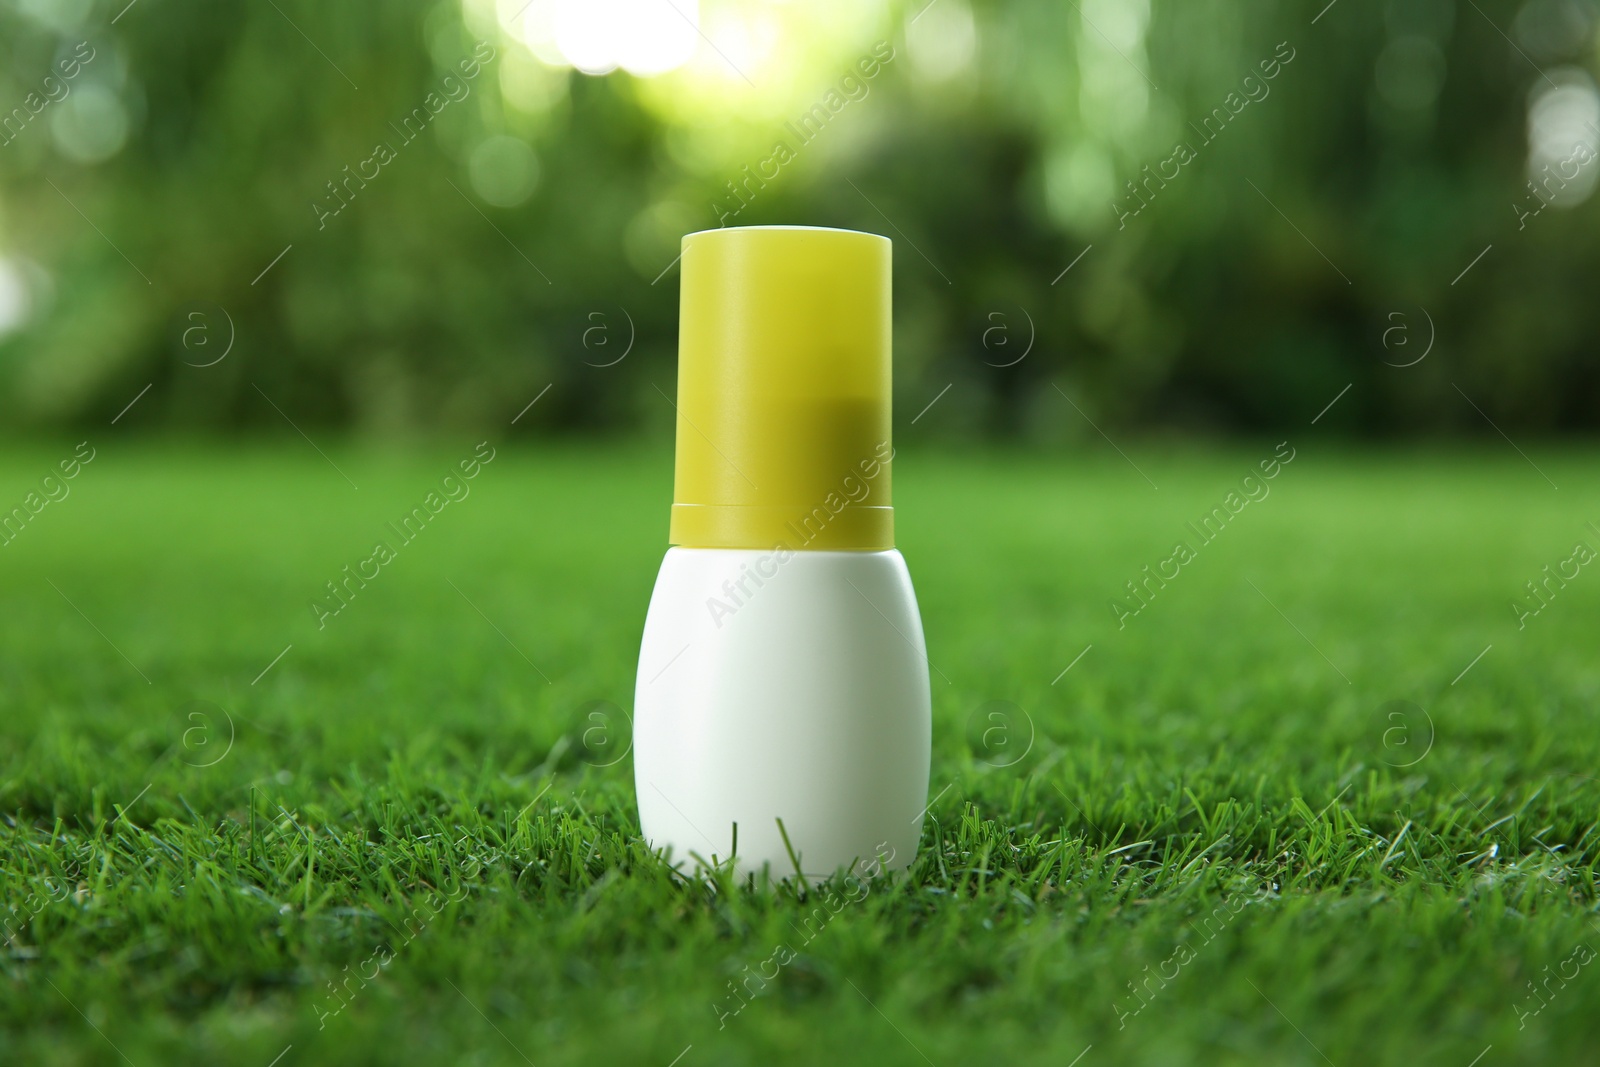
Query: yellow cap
{"x":783,"y":390}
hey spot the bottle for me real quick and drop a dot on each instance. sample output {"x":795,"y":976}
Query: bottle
{"x":782,"y":714}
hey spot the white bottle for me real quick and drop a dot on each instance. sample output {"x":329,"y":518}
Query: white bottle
{"x":782,"y":712}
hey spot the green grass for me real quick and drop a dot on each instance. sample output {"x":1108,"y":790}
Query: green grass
{"x":1214,"y":792}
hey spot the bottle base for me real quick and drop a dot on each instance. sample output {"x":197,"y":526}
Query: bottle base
{"x":783,"y":700}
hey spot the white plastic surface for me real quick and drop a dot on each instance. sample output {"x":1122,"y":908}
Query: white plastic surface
{"x":787,"y":686}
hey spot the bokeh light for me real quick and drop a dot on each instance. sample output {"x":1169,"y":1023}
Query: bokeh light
{"x":90,"y":125}
{"x":643,"y":37}
{"x":1564,"y":138}
{"x":14,"y":301}
{"x":503,"y":170}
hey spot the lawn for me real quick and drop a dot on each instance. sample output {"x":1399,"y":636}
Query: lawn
{"x":1289,"y":811}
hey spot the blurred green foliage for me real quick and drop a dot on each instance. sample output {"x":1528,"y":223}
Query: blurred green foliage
{"x":525,"y":236}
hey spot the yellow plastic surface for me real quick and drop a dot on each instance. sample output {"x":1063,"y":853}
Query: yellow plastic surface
{"x":784,"y":390}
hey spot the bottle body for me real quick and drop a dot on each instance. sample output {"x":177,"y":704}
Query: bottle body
{"x":786,"y":685}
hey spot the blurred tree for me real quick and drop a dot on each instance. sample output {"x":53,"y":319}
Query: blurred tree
{"x":1203,"y":215}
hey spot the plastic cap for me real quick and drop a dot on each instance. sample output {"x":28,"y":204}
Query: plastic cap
{"x":784,"y":390}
